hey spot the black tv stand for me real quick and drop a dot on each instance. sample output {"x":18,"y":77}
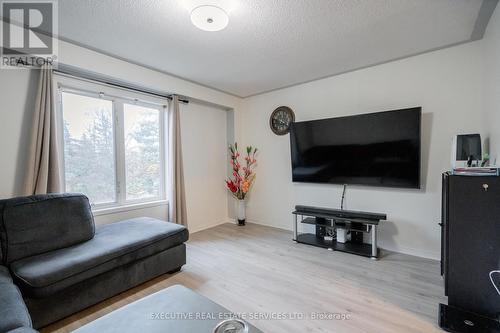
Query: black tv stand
{"x":355,"y":221}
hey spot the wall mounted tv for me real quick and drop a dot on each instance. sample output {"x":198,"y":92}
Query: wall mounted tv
{"x":375,"y":149}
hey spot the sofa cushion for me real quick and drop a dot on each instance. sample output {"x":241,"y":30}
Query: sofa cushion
{"x":113,"y":245}
{"x":41,"y":223}
{"x":13,"y":311}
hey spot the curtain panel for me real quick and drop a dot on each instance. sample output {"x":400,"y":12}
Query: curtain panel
{"x":44,"y":172}
{"x":176,"y":193}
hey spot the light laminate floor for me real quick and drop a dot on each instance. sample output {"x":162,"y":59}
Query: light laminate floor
{"x":257,"y":269}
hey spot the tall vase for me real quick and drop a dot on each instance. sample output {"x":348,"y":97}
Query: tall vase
{"x":241,"y":212}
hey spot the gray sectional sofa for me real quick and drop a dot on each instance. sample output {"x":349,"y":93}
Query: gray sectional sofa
{"x":53,"y":255}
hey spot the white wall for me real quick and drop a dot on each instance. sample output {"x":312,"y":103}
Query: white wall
{"x":491,"y":44}
{"x":17,"y":89}
{"x":89,"y":60}
{"x":448,"y":84}
{"x":204,"y":141}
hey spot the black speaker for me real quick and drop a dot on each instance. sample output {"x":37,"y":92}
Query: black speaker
{"x":356,"y":236}
{"x":321,"y":224}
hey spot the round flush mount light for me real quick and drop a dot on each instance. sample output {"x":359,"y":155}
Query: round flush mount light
{"x":209,"y":18}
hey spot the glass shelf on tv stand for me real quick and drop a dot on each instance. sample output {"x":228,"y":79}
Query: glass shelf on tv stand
{"x":362,"y":249}
{"x":334,"y":224}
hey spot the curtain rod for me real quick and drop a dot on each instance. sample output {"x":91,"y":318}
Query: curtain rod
{"x":78,"y":73}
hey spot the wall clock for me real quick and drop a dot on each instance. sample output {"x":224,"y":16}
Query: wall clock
{"x":281,"y":119}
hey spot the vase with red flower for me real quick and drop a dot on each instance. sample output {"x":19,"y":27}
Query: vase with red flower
{"x":243,"y":176}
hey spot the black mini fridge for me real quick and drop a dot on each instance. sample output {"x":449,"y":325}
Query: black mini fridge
{"x":470,"y":253}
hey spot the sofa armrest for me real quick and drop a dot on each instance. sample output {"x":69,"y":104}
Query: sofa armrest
{"x":13,"y":311}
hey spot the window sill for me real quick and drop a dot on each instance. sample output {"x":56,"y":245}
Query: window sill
{"x":129,"y":207}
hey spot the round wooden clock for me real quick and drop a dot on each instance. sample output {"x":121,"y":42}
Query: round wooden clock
{"x":281,"y":119}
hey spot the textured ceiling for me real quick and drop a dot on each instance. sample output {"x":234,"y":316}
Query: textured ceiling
{"x":268,"y":44}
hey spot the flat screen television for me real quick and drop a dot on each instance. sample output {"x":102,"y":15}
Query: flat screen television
{"x":375,"y":149}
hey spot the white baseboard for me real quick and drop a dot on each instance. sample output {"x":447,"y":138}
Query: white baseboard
{"x":270,"y":225}
{"x":207,"y":226}
{"x":416,"y":252}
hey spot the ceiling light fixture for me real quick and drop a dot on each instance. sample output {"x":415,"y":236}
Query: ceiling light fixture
{"x":209,"y":18}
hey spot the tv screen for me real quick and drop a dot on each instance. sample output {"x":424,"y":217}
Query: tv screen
{"x":376,"y":149}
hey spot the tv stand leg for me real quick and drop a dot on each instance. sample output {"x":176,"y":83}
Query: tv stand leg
{"x":374,"y":242}
{"x":295,"y":228}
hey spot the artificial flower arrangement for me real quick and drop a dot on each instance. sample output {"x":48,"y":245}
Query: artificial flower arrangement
{"x":242,"y":177}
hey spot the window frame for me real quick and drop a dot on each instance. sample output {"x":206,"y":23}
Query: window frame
{"x":119,"y":97}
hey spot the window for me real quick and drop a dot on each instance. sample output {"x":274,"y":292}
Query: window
{"x":113,"y":144}
{"x":142,"y":152}
{"x":89,"y":147}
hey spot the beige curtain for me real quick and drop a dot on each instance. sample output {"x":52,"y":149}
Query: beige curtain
{"x":43,"y":174}
{"x":175,"y":177}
